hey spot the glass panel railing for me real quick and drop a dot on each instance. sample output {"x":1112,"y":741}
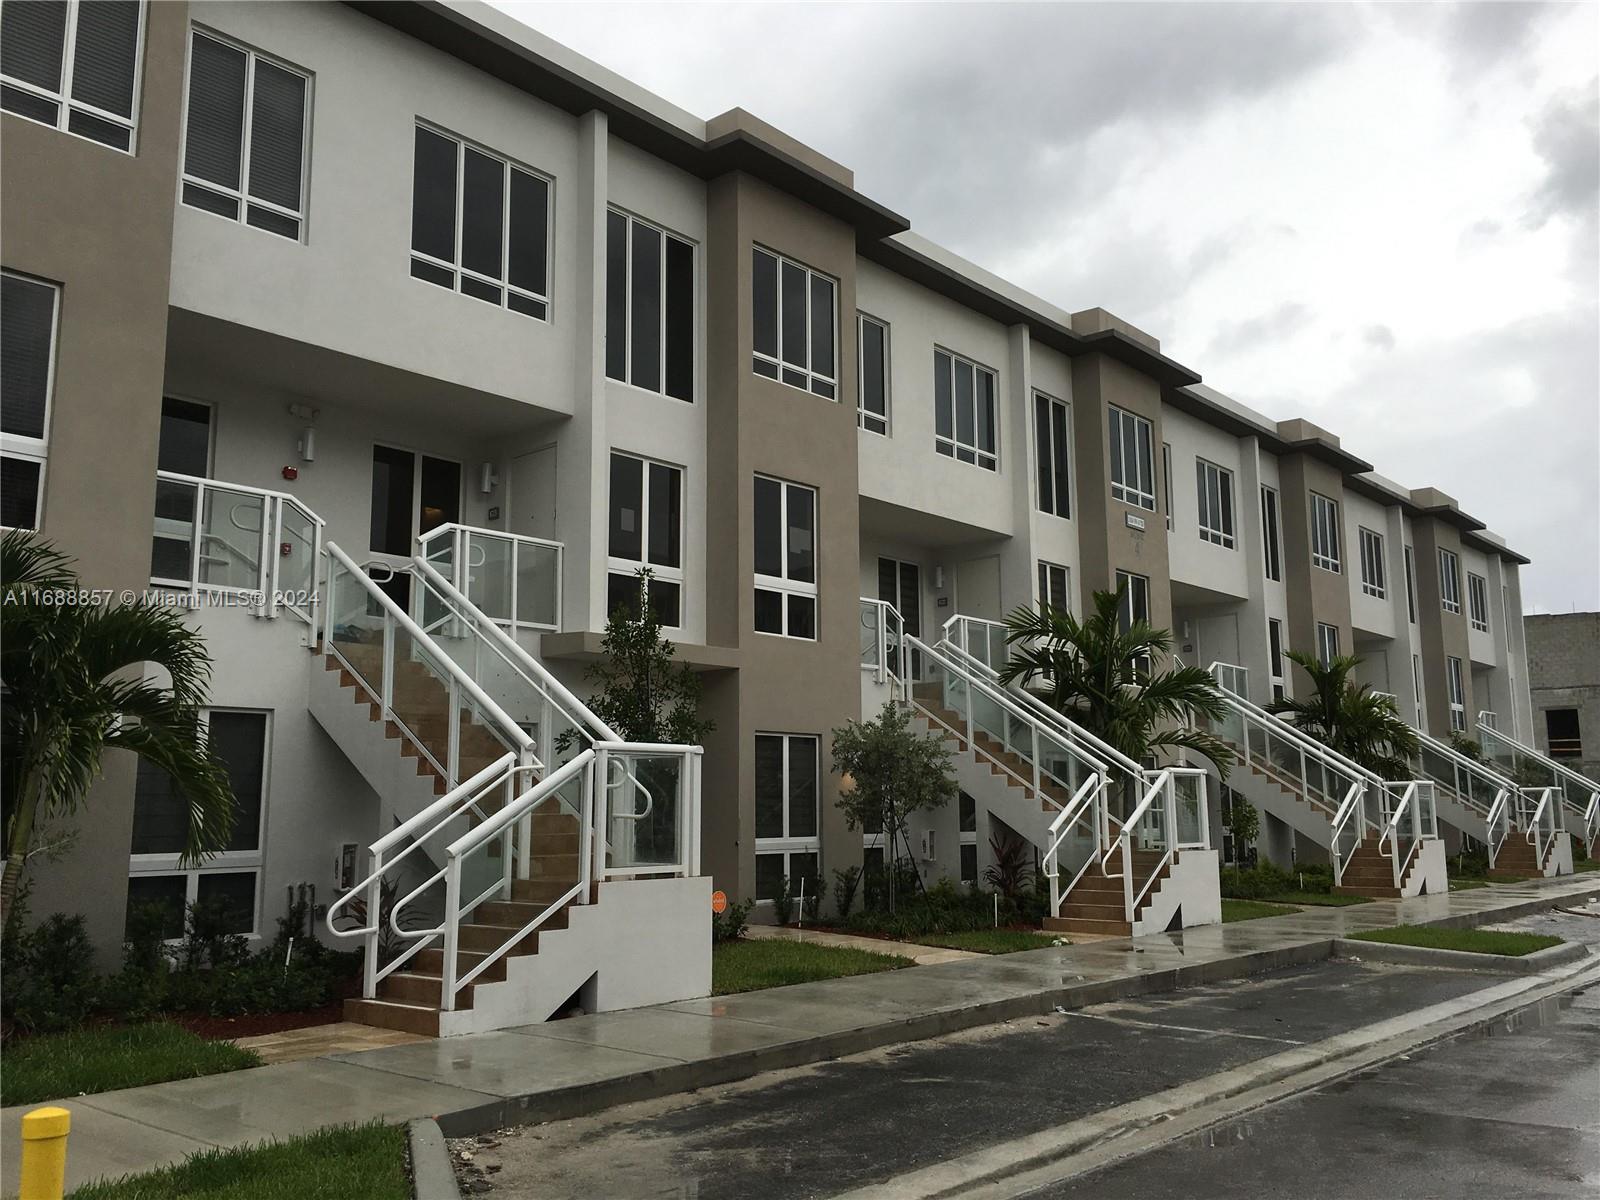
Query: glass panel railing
{"x":419,"y":697}
{"x":172,"y":551}
{"x":644,"y":812}
{"x":298,"y":533}
{"x":356,"y":626}
{"x":489,"y":565}
{"x":230,"y":539}
{"x":538,"y":585}
{"x":1190,"y":809}
{"x":871,"y":635}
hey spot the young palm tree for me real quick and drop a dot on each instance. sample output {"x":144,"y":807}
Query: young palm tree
{"x":71,"y":685}
{"x":1099,"y":675}
{"x":1348,"y":717}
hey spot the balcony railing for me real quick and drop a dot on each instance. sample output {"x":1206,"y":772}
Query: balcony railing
{"x":230,"y":539}
{"x":513,"y":579}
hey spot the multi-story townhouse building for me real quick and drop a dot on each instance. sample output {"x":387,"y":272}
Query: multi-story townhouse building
{"x":286,"y":275}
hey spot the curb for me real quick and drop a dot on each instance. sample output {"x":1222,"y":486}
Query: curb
{"x":1511,"y":911}
{"x":432,"y":1176}
{"x":1460,"y":960}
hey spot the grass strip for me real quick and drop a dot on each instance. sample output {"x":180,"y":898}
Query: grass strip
{"x":55,"y":1066}
{"x":1251,"y":910}
{"x":1471,"y":941}
{"x":750,"y":964}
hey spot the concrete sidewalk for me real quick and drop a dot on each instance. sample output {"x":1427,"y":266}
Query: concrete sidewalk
{"x":565,"y":1068}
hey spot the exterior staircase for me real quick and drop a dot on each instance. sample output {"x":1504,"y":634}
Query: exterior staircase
{"x":1097,"y":905}
{"x":1369,"y":872}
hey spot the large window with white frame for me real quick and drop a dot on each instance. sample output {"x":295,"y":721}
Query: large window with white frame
{"x":964,"y":414}
{"x":244,"y":148}
{"x":29,"y":314}
{"x":967,"y":829}
{"x":1456,"y":692}
{"x":787,"y":774}
{"x":1271,"y":534}
{"x":1054,"y":591}
{"x":1421,"y":722}
{"x":650,"y":306}
{"x":1052,"y":435}
{"x":1133,"y":468}
{"x":74,"y":66}
{"x":872,"y":394}
{"x":1449,"y":581}
{"x":1325,"y":533}
{"x":226,"y":882}
{"x":1374,"y":581}
{"x":1327,"y":643}
{"x":1134,"y":608}
{"x":1478,"y":602}
{"x":1166,"y":482}
{"x":785,"y":558}
{"x":1214,"y":485}
{"x":480,"y":224}
{"x":645,"y":530}
{"x":1411,"y":585}
{"x":794,"y":315}
{"x":1275,"y":659}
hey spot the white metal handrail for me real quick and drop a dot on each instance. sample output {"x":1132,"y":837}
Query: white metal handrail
{"x":1462,"y":768}
{"x":1163,"y":787}
{"x":1580,"y":794}
{"x":885,"y":652}
{"x":1351,"y":808}
{"x":1500,"y":812}
{"x":1546,"y":811}
{"x":467,"y":553}
{"x":1086,"y":802}
{"x":1406,"y":811}
{"x":959,"y":631}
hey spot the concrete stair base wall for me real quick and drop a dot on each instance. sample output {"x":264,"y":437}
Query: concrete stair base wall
{"x":1193,"y":885}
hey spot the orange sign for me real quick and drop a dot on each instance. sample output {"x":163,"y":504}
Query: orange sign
{"x":719,"y":902}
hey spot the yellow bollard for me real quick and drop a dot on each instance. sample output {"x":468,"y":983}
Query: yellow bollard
{"x":44,"y":1153}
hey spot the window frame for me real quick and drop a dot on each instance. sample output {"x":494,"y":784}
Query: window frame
{"x":63,"y":99}
{"x":1047,"y":577}
{"x":1118,"y":421}
{"x":865,"y":417}
{"x":1417,"y":689}
{"x":1477,"y":602}
{"x":1277,"y":676}
{"x":952,"y":446}
{"x":416,"y":494}
{"x":1272,"y":533}
{"x":1455,"y":693}
{"x":1563,"y":746}
{"x":1222,"y":533}
{"x":1449,"y":581}
{"x":1058,"y":458}
{"x":457,"y":270}
{"x":1327,"y":642}
{"x":780,"y":366}
{"x":1374,"y":574}
{"x":24,"y":447}
{"x":242,"y":192}
{"x":789,"y":845}
{"x":1326,"y":542}
{"x":617,"y":565}
{"x":782,"y":585}
{"x":1411,"y":584}
{"x":1128,"y":612}
{"x":632,"y":219}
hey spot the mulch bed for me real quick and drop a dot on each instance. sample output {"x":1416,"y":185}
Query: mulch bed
{"x":255,"y":1024}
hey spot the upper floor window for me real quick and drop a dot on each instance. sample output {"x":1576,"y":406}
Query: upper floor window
{"x":1411,"y":586}
{"x":1372,"y":573}
{"x":792,"y":308}
{"x":963,"y":410}
{"x":1455,"y":683}
{"x":646,"y":530}
{"x":1166,"y":482}
{"x":1052,"y":438}
{"x":244,"y":146}
{"x":1271,"y":535}
{"x":1133,"y":469}
{"x":1134,"y":609}
{"x":1449,"y":581}
{"x":480,"y":224}
{"x":74,"y":66}
{"x":1478,"y":602}
{"x":1275,"y":659}
{"x":28,"y":314}
{"x":1215,"y":485}
{"x":1325,"y":533}
{"x":1053,"y":586}
{"x":1563,"y":738}
{"x":650,"y":307}
{"x":872,"y":405}
{"x":786,"y":558}
{"x":1327,"y":643}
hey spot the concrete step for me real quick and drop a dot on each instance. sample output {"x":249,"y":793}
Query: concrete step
{"x":407,"y":987}
{"x":388,"y":1014}
{"x":1071,"y":925}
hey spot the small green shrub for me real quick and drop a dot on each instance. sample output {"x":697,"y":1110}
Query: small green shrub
{"x":845,"y":883}
{"x":783,"y":903}
{"x":1263,"y":879}
{"x":730,"y":924}
{"x":945,"y":908}
{"x":49,"y":980}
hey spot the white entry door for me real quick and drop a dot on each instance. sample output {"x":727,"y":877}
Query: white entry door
{"x":532,"y":501}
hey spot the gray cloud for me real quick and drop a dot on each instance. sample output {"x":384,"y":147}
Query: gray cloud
{"x":1567,"y":137}
{"x":1379,"y":337}
{"x":1277,"y":325}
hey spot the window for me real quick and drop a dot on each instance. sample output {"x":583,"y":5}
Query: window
{"x":1275,"y":659}
{"x":787,"y":844}
{"x":872,"y":411}
{"x":1411,"y":586}
{"x":646,"y":530}
{"x":1053,"y":586}
{"x":1214,"y":485}
{"x":1478,"y":602}
{"x":968,"y":818}
{"x":1372,"y":574}
{"x":1327,"y":643}
{"x":1416,"y":688}
{"x":1562,"y":736}
{"x":411,"y":494}
{"x":1325,"y":533}
{"x":1166,"y":481}
{"x":160,"y":822}
{"x":786,"y":558}
{"x":480,"y":224}
{"x":29,"y":311}
{"x":900,"y":584}
{"x":1271,"y":535}
{"x":963,"y":411}
{"x":1053,"y":445}
{"x":1449,"y":581}
{"x":1132,"y":467}
{"x":1135,"y":607}
{"x":245,"y":136}
{"x":650,"y":307}
{"x":1457,"y":692}
{"x":74,"y":66}
{"x":792,"y":308}
{"x":184,"y":449}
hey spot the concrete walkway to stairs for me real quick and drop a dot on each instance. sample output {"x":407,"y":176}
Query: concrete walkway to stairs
{"x":583,"y":1064}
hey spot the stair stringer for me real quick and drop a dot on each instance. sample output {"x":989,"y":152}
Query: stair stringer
{"x":1021,"y":807}
{"x":1428,"y":871}
{"x":1193,"y":885}
{"x":642,"y":941}
{"x":1559,"y":860}
{"x":1265,"y":794}
{"x":1452,"y":812}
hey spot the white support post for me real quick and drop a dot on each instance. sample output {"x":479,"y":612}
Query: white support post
{"x":452,"y":932}
{"x":523,"y":778}
{"x":695,"y":765}
{"x":369,"y":969}
{"x":586,"y":839}
{"x":386,"y":685}
{"x":601,"y":785}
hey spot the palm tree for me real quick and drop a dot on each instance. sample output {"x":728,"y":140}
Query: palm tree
{"x":1349,"y":717}
{"x":71,"y":686}
{"x":1100,"y":676}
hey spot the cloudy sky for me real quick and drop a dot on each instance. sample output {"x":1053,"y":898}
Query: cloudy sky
{"x":1382,"y":218}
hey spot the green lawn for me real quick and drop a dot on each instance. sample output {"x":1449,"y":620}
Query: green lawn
{"x":361,"y":1162}
{"x":1586,"y":864}
{"x":1324,"y":899}
{"x":1474,"y":941}
{"x":1250,"y":910}
{"x":990,"y":941}
{"x":58,"y":1065}
{"x":751,"y":963}
{"x":1466,"y":885}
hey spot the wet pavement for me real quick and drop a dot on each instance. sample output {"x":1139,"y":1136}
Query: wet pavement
{"x":1513,"y":1113}
{"x":820,"y":1130}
